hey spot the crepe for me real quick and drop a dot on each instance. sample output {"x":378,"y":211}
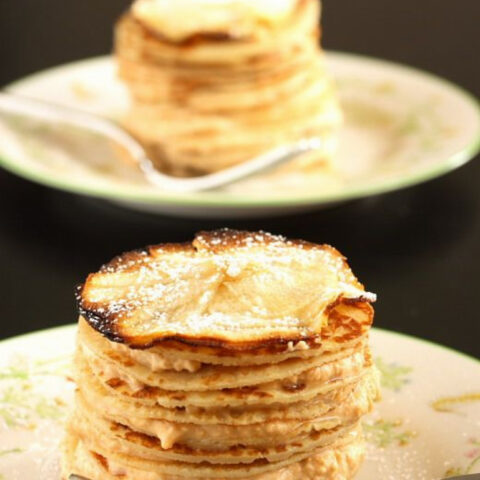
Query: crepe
{"x":291,"y":322}
{"x":219,"y":87}
{"x":340,"y":462}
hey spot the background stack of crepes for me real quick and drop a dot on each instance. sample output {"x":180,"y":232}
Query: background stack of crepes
{"x":241,"y":355}
{"x":217,"y":83}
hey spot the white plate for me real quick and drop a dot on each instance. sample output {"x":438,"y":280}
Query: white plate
{"x":402,"y":127}
{"x":426,"y":427}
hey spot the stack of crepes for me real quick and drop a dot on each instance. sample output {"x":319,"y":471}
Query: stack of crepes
{"x":216,"y":82}
{"x":239,"y":356}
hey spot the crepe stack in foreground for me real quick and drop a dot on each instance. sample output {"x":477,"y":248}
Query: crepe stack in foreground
{"x":241,"y":355}
{"x":217,"y":83}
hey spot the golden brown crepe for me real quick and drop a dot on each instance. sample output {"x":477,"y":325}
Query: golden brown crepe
{"x":228,"y":82}
{"x":241,"y":355}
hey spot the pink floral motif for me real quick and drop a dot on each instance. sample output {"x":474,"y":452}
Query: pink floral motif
{"x":473,"y":454}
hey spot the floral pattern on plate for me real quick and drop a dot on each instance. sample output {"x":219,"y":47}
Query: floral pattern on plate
{"x":424,"y":428}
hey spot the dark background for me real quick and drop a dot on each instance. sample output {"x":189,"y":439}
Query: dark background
{"x":419,"y":248}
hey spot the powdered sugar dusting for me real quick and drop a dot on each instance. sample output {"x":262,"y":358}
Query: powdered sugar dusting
{"x":228,"y":284}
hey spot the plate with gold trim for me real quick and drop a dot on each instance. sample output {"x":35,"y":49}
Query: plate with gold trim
{"x":426,"y":427}
{"x":402,"y":127}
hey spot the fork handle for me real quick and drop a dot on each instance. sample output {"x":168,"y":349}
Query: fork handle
{"x":14,"y":104}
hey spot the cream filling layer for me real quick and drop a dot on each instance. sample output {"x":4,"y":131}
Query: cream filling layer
{"x":330,"y":372}
{"x":224,"y":436}
{"x":339,"y":462}
{"x":155,"y":362}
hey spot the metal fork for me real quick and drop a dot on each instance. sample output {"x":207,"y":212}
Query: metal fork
{"x":59,"y":115}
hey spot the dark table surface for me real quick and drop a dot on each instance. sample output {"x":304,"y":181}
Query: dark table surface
{"x":418,"y":248}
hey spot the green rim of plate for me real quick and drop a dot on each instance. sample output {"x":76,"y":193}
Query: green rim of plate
{"x":128,"y":193}
{"x":72,"y":326}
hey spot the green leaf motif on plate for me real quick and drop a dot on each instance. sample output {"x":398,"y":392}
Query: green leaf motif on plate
{"x":392,"y":375}
{"x":21,"y":402}
{"x":10,"y":451}
{"x":385,"y":433}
